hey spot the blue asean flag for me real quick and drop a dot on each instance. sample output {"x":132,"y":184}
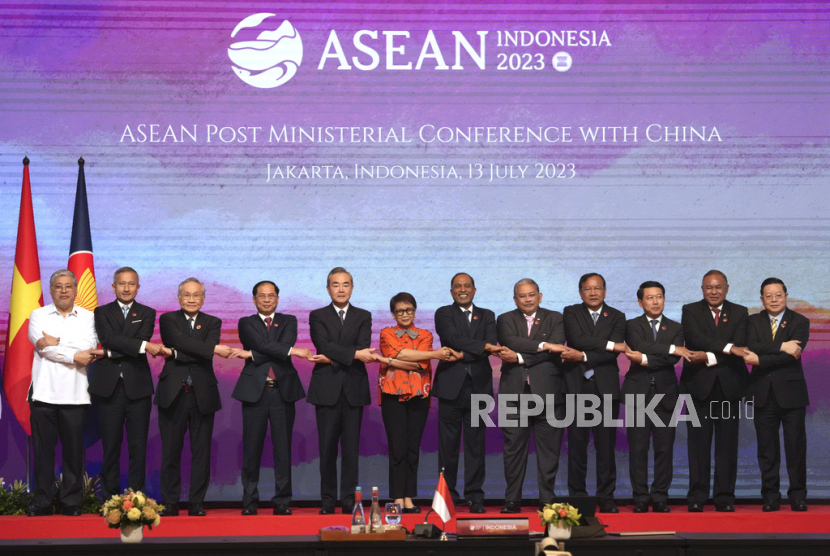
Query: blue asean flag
{"x":82,"y":264}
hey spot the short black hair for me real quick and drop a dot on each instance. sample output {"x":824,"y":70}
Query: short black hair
{"x":457,"y":274}
{"x":585,"y":278}
{"x":258,"y":284}
{"x":770,"y":281}
{"x":402,"y":297}
{"x":649,"y":284}
{"x":713,"y":271}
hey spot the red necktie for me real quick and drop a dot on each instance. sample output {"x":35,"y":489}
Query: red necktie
{"x":268,"y":327}
{"x":717,"y":313}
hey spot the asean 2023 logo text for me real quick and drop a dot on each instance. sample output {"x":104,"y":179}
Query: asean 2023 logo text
{"x":267,"y":54}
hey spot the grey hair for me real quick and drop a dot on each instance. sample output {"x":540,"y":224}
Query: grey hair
{"x":122,"y":270}
{"x":523,"y":282}
{"x":338,"y":270}
{"x":63,"y":272}
{"x":191,"y":279}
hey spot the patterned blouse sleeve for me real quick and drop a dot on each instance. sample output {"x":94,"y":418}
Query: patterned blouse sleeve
{"x":390,"y":344}
{"x":424,"y":343}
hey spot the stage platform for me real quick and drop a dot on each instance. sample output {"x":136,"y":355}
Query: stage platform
{"x":225,"y":531}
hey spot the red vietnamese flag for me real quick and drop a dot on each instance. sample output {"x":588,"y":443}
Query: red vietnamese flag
{"x":26,"y":296}
{"x":81,"y":262}
{"x":442,"y":501}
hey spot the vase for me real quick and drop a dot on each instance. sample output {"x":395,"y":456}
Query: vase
{"x":133,"y":533}
{"x":559,"y":531}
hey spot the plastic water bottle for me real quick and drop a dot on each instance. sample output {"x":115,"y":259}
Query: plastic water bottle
{"x":358,"y":518}
{"x":377,"y":523}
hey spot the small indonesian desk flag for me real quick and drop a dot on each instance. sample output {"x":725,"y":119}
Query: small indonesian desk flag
{"x":442,"y":501}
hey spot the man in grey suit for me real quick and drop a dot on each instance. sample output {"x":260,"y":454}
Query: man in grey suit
{"x":532,"y":338}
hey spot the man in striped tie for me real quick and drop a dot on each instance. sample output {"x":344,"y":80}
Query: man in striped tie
{"x":777,"y":386}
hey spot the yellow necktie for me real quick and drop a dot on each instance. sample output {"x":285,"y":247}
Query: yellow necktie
{"x":774,"y":327}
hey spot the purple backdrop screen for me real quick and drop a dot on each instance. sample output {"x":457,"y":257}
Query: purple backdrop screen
{"x":240,"y":141}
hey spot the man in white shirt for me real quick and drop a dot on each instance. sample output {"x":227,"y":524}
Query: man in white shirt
{"x":64,"y":338}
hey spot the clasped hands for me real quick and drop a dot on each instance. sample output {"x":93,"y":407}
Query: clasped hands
{"x":83,"y":358}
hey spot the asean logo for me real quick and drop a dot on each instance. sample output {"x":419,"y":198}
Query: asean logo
{"x":271,"y":56}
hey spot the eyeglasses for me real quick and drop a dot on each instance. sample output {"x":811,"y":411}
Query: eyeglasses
{"x":775,"y":296}
{"x":402,"y":312}
{"x":192,"y":295}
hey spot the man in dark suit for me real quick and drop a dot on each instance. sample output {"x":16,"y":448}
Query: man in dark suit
{"x":187,"y":395}
{"x":470,"y":330}
{"x":268,"y":386}
{"x":339,"y":387}
{"x":121,"y":384}
{"x":532,"y":338}
{"x":655,"y":344}
{"x":596,"y":335}
{"x":776,"y":337}
{"x":716,"y":378}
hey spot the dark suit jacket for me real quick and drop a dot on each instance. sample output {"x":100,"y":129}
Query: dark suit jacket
{"x":339,"y":342}
{"x":640,"y":337}
{"x":453,"y":331}
{"x":270,"y":351}
{"x":776,"y":369}
{"x":702,"y":335}
{"x":592,"y":340}
{"x":543,"y":367}
{"x":122,"y":338}
{"x":194,"y":357}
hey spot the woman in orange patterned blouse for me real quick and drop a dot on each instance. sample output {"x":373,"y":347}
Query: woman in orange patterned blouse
{"x":403,"y":393}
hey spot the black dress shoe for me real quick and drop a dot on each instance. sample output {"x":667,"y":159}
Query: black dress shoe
{"x":477,"y":508}
{"x":282,"y":509}
{"x":800,"y":506}
{"x":196,"y":510}
{"x":73,"y":511}
{"x":462,"y":502}
{"x":640,"y":507}
{"x":412,"y":510}
{"x":39,"y":512}
{"x":249,"y":510}
{"x":170,"y":511}
{"x":511,"y":508}
{"x":346,"y":509}
{"x":695,"y":507}
{"x":660,"y":508}
{"x":771,"y":507}
{"x":326,"y":510}
{"x":725,"y":508}
{"x":609,"y":507}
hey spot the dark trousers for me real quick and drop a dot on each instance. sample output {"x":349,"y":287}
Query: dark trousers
{"x":548,"y":441}
{"x":454,"y":417}
{"x":605,"y":442}
{"x":49,"y":423}
{"x":638,"y":441}
{"x":114,"y":413}
{"x":174,"y":421}
{"x":768,"y":420}
{"x":724,"y":427}
{"x":404,"y":422}
{"x":270,"y":408}
{"x":338,"y":424}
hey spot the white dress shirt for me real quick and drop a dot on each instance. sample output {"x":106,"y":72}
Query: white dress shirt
{"x":56,"y":378}
{"x":711,"y":360}
{"x":659,"y":320}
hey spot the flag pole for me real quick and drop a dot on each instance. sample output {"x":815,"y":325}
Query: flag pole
{"x":28,"y":463}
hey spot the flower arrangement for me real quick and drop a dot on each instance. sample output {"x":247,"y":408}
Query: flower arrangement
{"x":560,"y":514}
{"x":131,"y":509}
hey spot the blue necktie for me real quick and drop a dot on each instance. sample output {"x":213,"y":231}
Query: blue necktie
{"x":654,"y":328}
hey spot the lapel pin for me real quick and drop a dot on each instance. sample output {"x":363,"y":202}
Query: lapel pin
{"x":198,"y":326}
{"x":475,"y":318}
{"x":664,"y":328}
{"x":605,"y":314}
{"x":784,"y":324}
{"x":538,"y":321}
{"x":725,"y":319}
{"x":134,"y":314}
